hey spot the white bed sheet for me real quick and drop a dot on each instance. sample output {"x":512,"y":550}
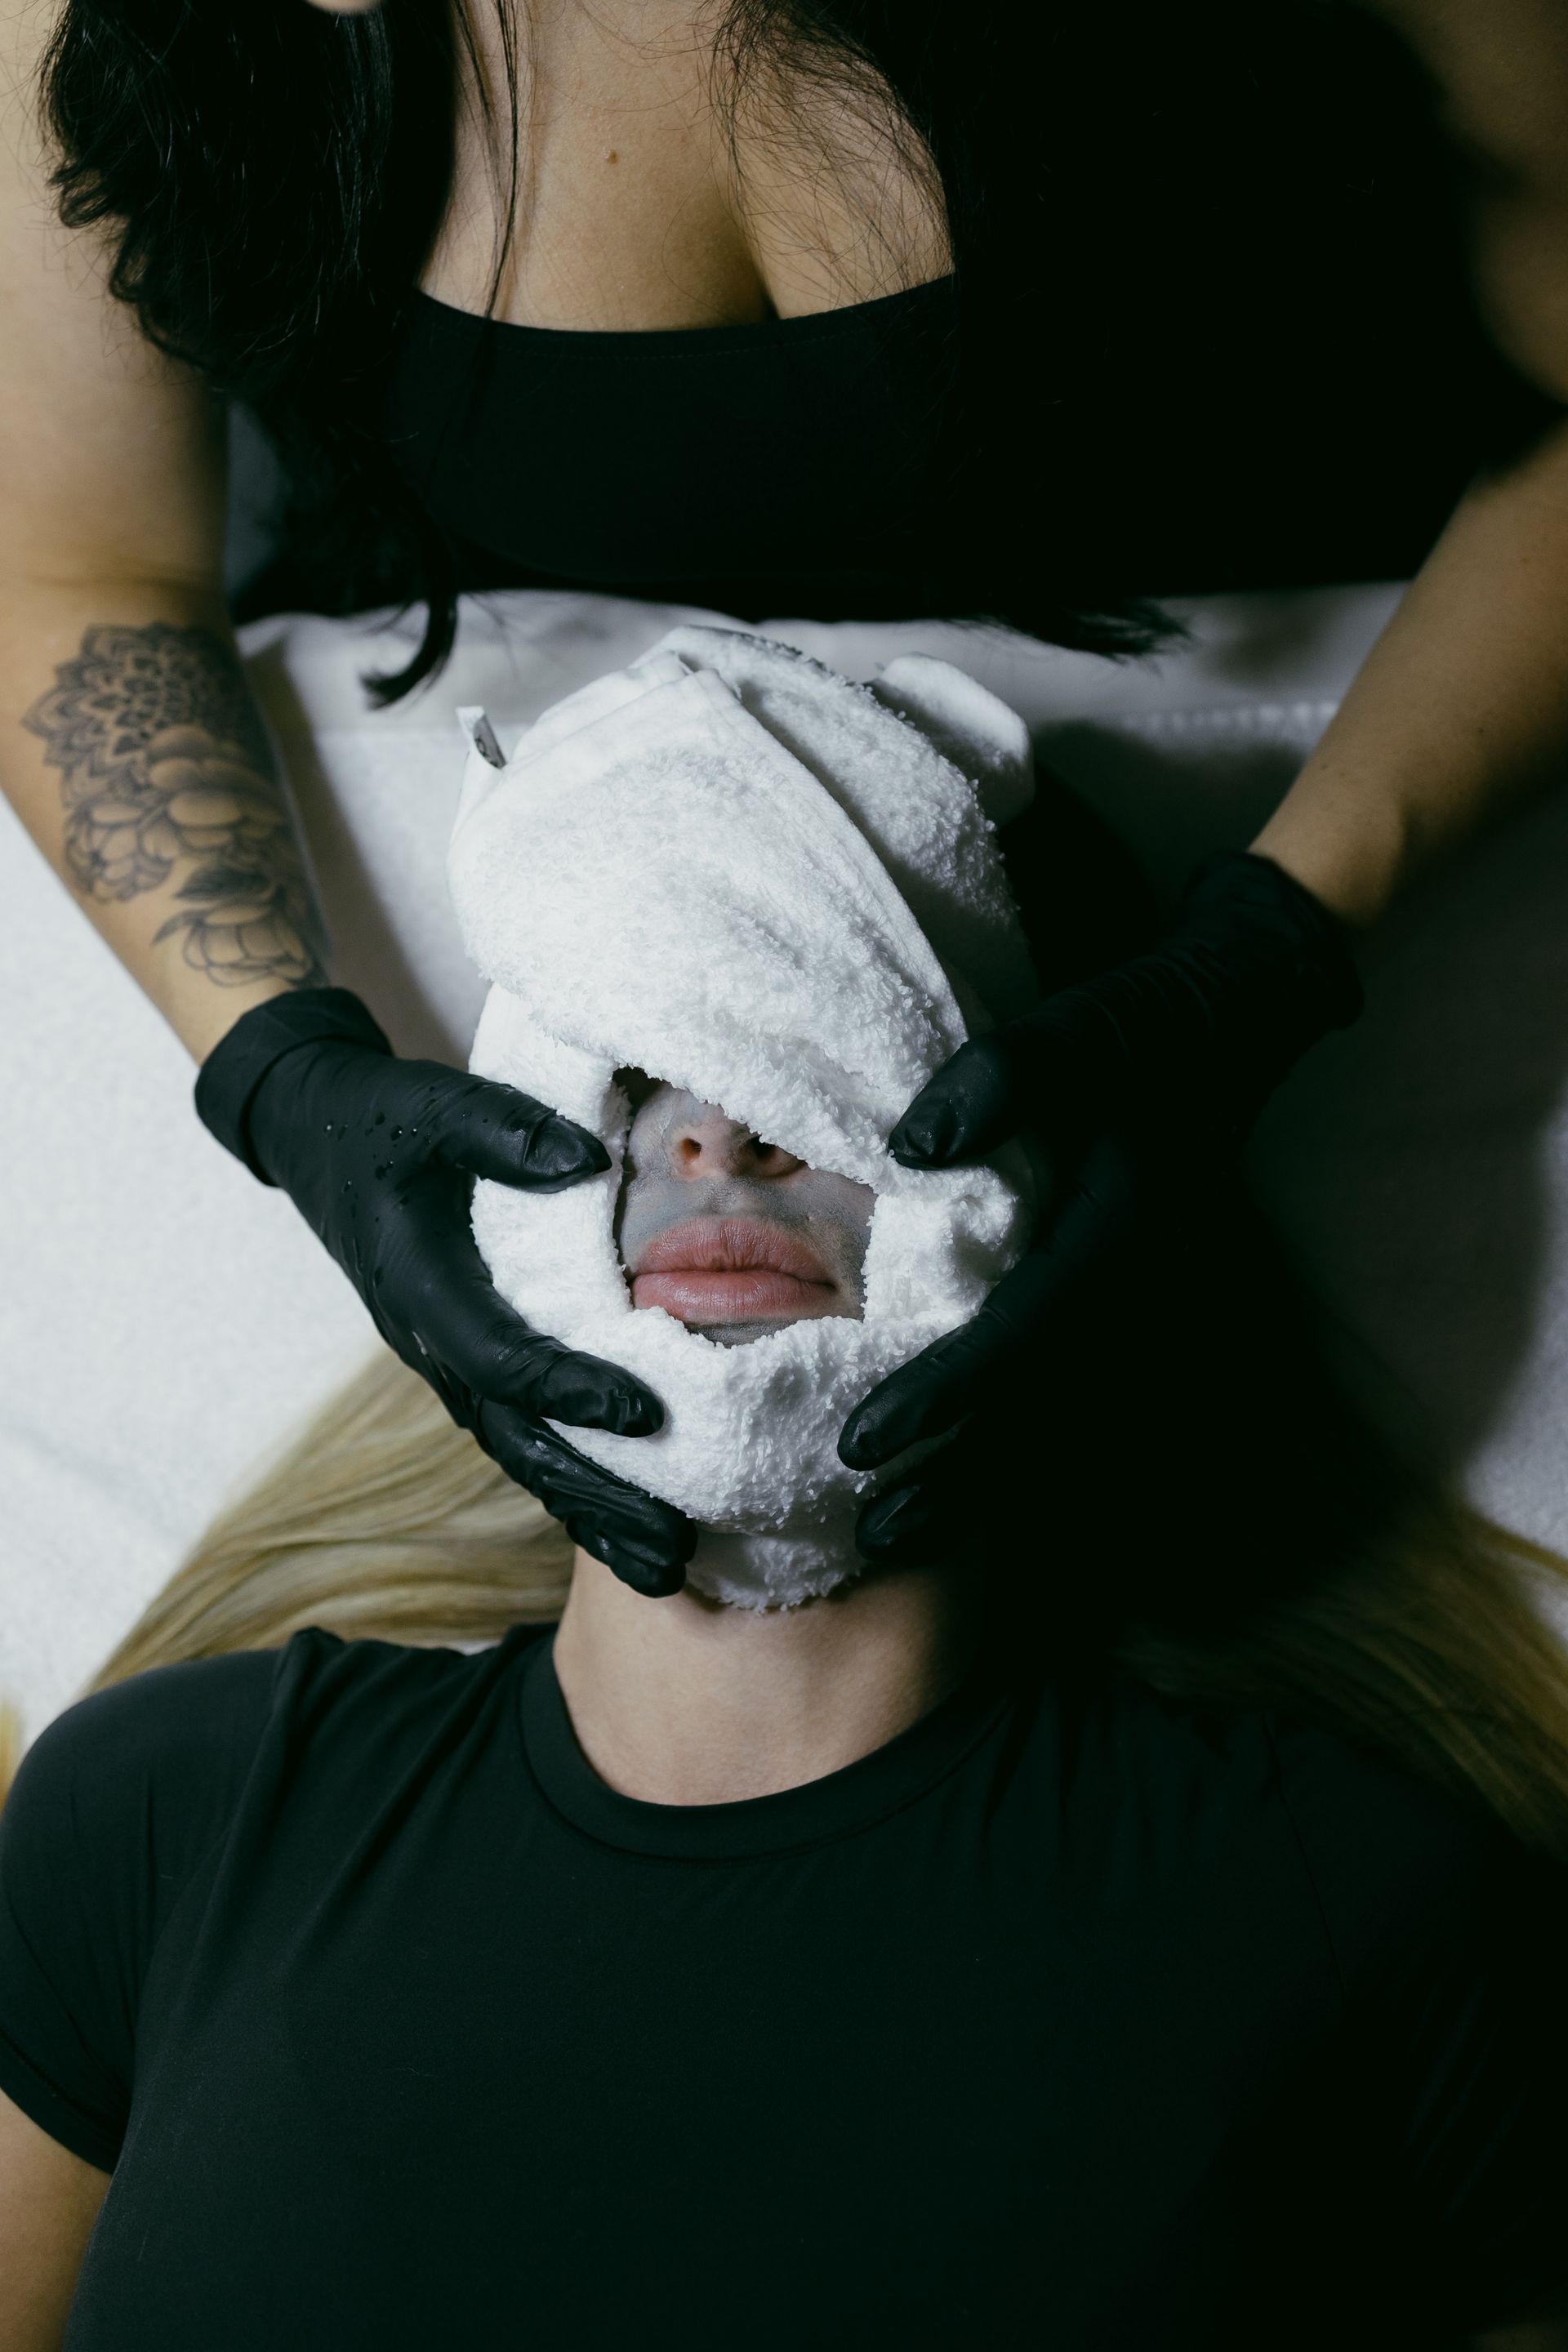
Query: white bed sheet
{"x":164,"y":1321}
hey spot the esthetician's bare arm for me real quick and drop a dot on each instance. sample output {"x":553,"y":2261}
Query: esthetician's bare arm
{"x":1462,"y":706}
{"x":128,"y":743}
{"x":49,"y":2203}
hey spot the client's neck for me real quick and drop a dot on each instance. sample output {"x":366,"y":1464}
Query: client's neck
{"x":687,"y":1702}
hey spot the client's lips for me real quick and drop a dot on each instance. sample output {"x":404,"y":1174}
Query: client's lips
{"x":731,"y":1270}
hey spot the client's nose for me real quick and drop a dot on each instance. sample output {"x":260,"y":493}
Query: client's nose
{"x":709,"y":1143}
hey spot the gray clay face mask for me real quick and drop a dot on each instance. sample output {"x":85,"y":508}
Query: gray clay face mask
{"x":732,"y":1235}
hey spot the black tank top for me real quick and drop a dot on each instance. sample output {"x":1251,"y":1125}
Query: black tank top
{"x":1222,"y":339}
{"x":783,"y":461}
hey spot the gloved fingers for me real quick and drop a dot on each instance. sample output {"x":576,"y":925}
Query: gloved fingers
{"x":457,"y":1315}
{"x":1017,"y":1323}
{"x":1056,"y":1071}
{"x":645,"y":1542}
{"x":495,"y":1130}
{"x":646,"y":1572}
{"x":933,"y":1392}
{"x":973,"y":1487}
{"x":1200,"y":1027}
{"x":971,"y":1104}
{"x":927,"y":1516}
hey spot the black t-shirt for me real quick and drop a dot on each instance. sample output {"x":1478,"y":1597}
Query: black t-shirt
{"x":1069,"y":2018}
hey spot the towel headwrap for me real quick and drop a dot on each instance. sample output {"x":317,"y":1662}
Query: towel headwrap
{"x":751,"y":879}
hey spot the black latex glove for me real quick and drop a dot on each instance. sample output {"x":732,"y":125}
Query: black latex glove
{"x":1143,"y":1083}
{"x":378,"y":1155}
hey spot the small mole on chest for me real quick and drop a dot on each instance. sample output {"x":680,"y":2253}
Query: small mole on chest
{"x":611,"y":156}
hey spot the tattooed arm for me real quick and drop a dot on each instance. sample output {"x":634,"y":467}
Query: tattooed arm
{"x":143,"y":771}
{"x":128,"y":744}
{"x":169,"y":796}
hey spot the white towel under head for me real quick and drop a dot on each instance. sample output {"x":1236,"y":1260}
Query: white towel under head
{"x":731,"y":869}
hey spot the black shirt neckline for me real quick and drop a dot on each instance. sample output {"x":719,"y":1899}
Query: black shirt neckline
{"x":891,"y":1777}
{"x":732,"y":334}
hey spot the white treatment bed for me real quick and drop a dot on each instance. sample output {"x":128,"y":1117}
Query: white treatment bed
{"x":165,"y":1321}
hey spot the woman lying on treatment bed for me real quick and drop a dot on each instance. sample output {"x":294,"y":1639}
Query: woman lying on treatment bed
{"x":883,"y":1973}
{"x":1121,"y":1931}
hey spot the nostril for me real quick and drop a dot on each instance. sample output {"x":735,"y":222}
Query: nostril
{"x":773,"y":1160}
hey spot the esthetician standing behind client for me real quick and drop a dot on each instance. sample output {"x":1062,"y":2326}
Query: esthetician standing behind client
{"x":915,"y":310}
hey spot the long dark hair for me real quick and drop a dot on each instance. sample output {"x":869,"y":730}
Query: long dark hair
{"x":273,"y":177}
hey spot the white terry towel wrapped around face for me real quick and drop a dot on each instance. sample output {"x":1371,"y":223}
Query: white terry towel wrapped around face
{"x":746,"y":877}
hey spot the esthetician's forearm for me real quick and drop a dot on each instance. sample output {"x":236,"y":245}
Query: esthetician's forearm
{"x":1460,"y":710}
{"x":135,"y":756}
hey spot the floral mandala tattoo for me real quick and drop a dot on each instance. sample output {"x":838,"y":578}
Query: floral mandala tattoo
{"x":162,"y":759}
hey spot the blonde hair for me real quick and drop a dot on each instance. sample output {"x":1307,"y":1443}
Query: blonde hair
{"x":383,"y":1518}
{"x":1428,"y":1638}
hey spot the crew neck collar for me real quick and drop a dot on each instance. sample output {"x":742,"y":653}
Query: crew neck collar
{"x":891,"y":1777}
